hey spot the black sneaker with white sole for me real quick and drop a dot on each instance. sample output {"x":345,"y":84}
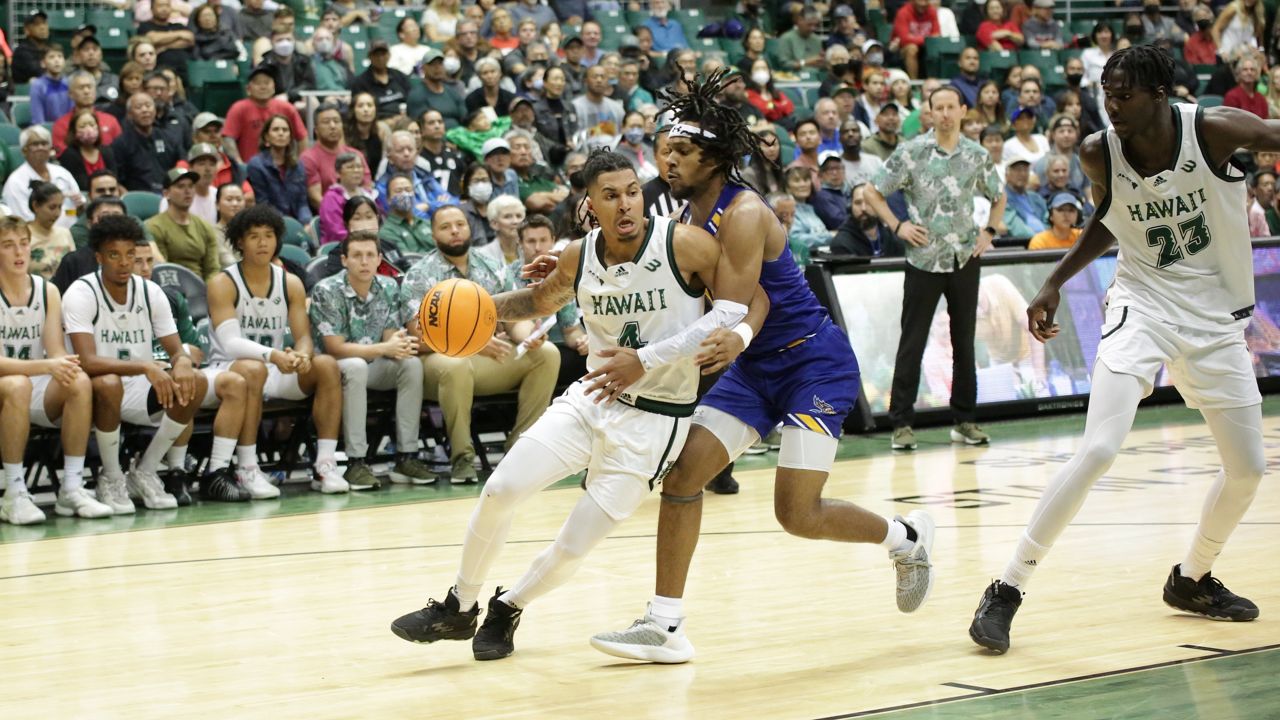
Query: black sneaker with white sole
{"x":994,"y":617}
{"x":1207,"y":597}
{"x":496,"y":637}
{"x":222,"y":486}
{"x":437,"y":621}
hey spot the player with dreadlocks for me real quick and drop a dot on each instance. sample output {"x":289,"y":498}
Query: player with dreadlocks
{"x":799,"y":370}
{"x":1166,"y":188}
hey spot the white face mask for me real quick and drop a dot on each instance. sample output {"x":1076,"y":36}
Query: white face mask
{"x":452,"y":65}
{"x":284,"y":47}
{"x":323,"y":47}
{"x":760,"y":77}
{"x":480,"y":192}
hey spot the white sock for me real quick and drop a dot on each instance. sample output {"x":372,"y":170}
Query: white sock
{"x":1200,"y":557}
{"x":220,"y":455}
{"x":176,"y":458}
{"x":247,"y":456}
{"x":1024,"y":562}
{"x":466,"y":594}
{"x":166,"y":434}
{"x":109,"y":449}
{"x":13,"y":477}
{"x":325,"y":449}
{"x":668,"y":611}
{"x":895,"y":538}
{"x":72,"y":472}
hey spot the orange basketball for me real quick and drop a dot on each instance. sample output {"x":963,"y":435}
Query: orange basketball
{"x":457,"y":318}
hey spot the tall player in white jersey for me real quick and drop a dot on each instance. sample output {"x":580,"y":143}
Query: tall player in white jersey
{"x":39,"y":383}
{"x":1166,"y":189}
{"x":637,"y":280}
{"x":111,"y":318}
{"x":252,"y":306}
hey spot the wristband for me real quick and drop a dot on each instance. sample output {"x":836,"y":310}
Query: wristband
{"x":745,"y":332}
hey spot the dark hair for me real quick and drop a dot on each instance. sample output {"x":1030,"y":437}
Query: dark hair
{"x":116,"y":227}
{"x":537,"y":220}
{"x":102,"y":173}
{"x":733,"y":137}
{"x":324,"y":107}
{"x":601,"y":162}
{"x":469,"y":171}
{"x":41,"y":192}
{"x":401,"y":175}
{"x":75,"y":118}
{"x":154,"y":74}
{"x":1257,"y":176}
{"x":353,"y":203}
{"x":1093,"y":34}
{"x":291,"y":150}
{"x":97,"y":204}
{"x":991,"y":130}
{"x":53,"y":48}
{"x":361,"y":236}
{"x":400,"y":25}
{"x":1144,"y":66}
{"x":345,"y":159}
{"x":807,"y":121}
{"x":218,"y":195}
{"x":261,"y":215}
{"x":1025,"y":80}
{"x":950,"y":89}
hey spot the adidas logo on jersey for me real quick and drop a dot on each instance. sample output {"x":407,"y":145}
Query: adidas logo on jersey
{"x":1159,"y":181}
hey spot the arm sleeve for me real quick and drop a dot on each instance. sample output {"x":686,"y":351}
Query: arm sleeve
{"x":724,"y":314}
{"x":78,"y":309}
{"x":237,"y":345}
{"x":162,"y":322}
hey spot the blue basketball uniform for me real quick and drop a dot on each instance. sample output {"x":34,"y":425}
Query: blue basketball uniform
{"x":800,"y":370}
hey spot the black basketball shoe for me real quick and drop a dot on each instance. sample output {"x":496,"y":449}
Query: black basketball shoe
{"x":437,"y":621}
{"x":496,"y":637}
{"x":1208,"y":597}
{"x":178,"y":484}
{"x":723,"y":483}
{"x":222,"y":486}
{"x":994,"y":616}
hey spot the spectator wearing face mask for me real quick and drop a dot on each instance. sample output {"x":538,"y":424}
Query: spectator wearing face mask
{"x":293,"y":69}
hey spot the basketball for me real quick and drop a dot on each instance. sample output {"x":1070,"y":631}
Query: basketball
{"x":457,"y":318}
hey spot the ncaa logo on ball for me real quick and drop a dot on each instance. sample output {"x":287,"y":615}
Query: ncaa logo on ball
{"x":433,"y":309}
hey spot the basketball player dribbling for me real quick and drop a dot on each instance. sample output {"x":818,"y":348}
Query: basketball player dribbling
{"x":637,"y":280}
{"x":1166,"y":188}
{"x":799,"y":371}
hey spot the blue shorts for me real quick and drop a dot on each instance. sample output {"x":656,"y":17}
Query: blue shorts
{"x":813,"y":385}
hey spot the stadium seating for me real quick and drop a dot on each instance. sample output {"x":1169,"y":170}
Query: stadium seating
{"x":189,"y":284}
{"x":141,"y":204}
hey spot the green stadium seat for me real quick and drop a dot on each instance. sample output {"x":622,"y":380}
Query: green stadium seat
{"x":938,"y":50}
{"x":65,"y":21}
{"x":796,"y":94}
{"x":1068,"y":53}
{"x":705,"y":45}
{"x":9,"y":134}
{"x":21,"y":113}
{"x":356,"y":32}
{"x":13,"y":157}
{"x":996,"y":60}
{"x":206,"y":72}
{"x":295,"y":254}
{"x":141,"y":204}
{"x":114,"y":38}
{"x":1209,"y":100}
{"x":732,"y":49}
{"x":214,"y":84}
{"x":293,"y":230}
{"x":875,"y":16}
{"x":636,"y":17}
{"x":103,"y":18}
{"x":691,"y":20}
{"x":1042,"y":59}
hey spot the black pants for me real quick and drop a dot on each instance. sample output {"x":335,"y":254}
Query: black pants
{"x":920,"y":293}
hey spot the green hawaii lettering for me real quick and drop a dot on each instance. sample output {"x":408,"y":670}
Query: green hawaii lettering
{"x":259,"y":323}
{"x":124,"y":337}
{"x":1167,"y":208}
{"x":637,"y":302}
{"x":29,"y":332}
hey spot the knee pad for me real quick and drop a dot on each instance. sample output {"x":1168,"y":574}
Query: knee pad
{"x":735,"y":435}
{"x":806,"y":450}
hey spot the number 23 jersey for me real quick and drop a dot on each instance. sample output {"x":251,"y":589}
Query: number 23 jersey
{"x":1185,"y":253}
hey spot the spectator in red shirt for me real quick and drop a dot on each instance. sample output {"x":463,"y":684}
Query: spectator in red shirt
{"x":1245,"y":94}
{"x":1200,"y":49}
{"x":83,"y":90}
{"x":914,"y":22}
{"x":320,"y":160}
{"x":763,"y":96}
{"x":998,"y":32}
{"x":243,"y":130}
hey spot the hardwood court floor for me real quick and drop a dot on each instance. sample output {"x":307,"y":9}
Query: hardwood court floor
{"x":286,"y":616}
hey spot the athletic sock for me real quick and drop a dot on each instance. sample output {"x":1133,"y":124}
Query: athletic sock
{"x":72,"y":472}
{"x":166,"y":434}
{"x":13,"y":477}
{"x":466,"y":594}
{"x":509,"y":597}
{"x":668,"y":611}
{"x":325,"y":449}
{"x":898,"y":537}
{"x":1024,"y":562}
{"x":220,"y":455}
{"x":247,"y":456}
{"x":176,"y":458}
{"x":1200,"y":557}
{"x":109,"y":449}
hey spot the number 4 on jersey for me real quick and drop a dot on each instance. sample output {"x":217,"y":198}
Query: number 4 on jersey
{"x":1195,"y":237}
{"x":630,"y":336}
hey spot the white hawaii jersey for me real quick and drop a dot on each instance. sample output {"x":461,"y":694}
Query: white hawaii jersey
{"x":22,"y":326}
{"x":264,"y":320}
{"x":636,"y":303}
{"x":1185,"y":255}
{"x":121,"y":331}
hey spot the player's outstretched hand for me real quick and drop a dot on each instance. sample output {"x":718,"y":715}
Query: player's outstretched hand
{"x":1040,"y":314}
{"x":65,"y":369}
{"x":719,"y":350}
{"x":620,"y":371}
{"x":540,"y":268}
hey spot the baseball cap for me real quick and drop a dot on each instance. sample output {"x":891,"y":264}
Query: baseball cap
{"x":520,"y":100}
{"x":87,"y":39}
{"x":1010,"y":162}
{"x":571,"y":39}
{"x":493,"y":145}
{"x":206,"y":119}
{"x":1043,"y":4}
{"x":828,"y":155}
{"x":1020,"y":111}
{"x":843,"y":11}
{"x":851,"y":90}
{"x":176,"y":174}
{"x":264,"y":70}
{"x":379,"y":46}
{"x":889,"y":106}
{"x":1064,"y":198}
{"x":89,"y":28}
{"x":629,"y":41}
{"x":200,"y":150}
{"x":866,"y":46}
{"x":432,"y":55}
{"x":34,"y":15}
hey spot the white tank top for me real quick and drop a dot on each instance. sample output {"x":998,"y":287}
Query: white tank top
{"x":636,"y":303}
{"x":264,"y":320}
{"x":22,"y":326}
{"x":123,"y":332}
{"x":1185,"y":255}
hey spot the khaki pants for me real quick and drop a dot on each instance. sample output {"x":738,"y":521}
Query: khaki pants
{"x":358,"y":378}
{"x":454,"y":382}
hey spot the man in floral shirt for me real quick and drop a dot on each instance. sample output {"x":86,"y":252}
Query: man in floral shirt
{"x":357,"y":316}
{"x":507,"y":363}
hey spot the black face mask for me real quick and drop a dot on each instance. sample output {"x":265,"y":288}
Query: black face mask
{"x":1074,"y":79}
{"x":1204,"y":24}
{"x":1133,"y":31}
{"x":1152,"y":10}
{"x":839,"y":69}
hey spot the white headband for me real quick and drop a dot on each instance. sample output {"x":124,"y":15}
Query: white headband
{"x":682,"y":130}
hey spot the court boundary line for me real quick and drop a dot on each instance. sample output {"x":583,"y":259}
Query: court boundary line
{"x":1217,"y":655}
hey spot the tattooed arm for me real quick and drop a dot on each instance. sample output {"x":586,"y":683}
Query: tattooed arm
{"x":546,"y":297}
